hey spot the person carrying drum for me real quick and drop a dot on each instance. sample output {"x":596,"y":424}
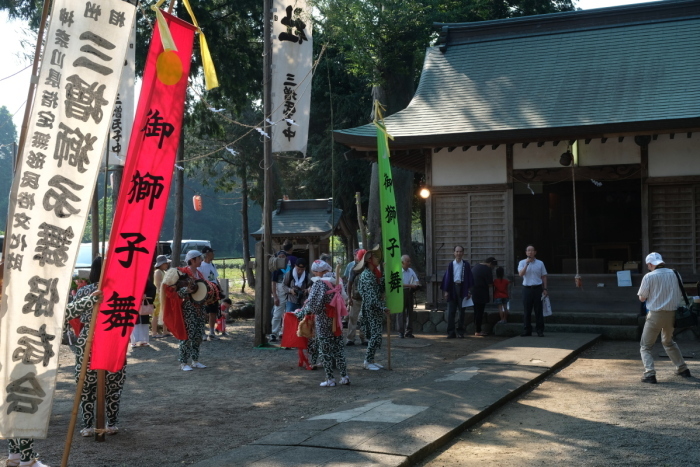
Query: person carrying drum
{"x":193,"y":313}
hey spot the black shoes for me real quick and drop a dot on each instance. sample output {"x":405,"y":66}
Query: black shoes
{"x":685,"y":373}
{"x":460,"y":336}
{"x":401,"y":335}
{"x":526,"y":334}
{"x":408,"y":334}
{"x":451,"y":336}
{"x":349,"y":343}
{"x":652,"y":379}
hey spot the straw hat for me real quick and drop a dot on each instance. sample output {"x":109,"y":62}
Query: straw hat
{"x":363,"y":257}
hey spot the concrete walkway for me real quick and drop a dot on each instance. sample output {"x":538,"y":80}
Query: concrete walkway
{"x":401,"y":426}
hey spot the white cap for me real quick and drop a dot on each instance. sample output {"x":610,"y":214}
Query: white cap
{"x":654,"y":258}
{"x":192,"y":254}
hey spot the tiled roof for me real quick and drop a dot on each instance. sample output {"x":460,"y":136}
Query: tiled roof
{"x":303,"y":217}
{"x":574,"y":74}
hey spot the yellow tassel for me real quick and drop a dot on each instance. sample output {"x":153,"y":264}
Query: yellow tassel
{"x":210,"y":79}
{"x":165,"y":37}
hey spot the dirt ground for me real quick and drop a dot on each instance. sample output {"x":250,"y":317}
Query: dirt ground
{"x":593,"y":412}
{"x":169,"y":417}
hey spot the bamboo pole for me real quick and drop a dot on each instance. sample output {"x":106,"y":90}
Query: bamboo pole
{"x":388,"y":340}
{"x":30,"y":99}
{"x":81,"y":378}
{"x":32,"y":83}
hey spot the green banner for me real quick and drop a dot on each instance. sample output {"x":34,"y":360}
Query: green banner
{"x":391,"y":245}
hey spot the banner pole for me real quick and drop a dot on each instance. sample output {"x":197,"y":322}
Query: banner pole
{"x":83,"y":373}
{"x":34,"y":81}
{"x":28,"y":105}
{"x":388,"y":340}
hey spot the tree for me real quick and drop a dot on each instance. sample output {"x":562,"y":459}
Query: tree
{"x":8,"y":139}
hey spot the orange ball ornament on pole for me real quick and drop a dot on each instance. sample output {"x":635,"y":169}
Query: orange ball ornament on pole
{"x":197,"y":202}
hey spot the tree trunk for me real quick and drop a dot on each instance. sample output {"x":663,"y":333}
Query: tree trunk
{"x":179,"y":202}
{"x":250,"y":275}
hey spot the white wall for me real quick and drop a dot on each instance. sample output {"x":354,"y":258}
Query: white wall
{"x":469,"y":168}
{"x":533,"y":157}
{"x":674,"y":157}
{"x":612,"y":152}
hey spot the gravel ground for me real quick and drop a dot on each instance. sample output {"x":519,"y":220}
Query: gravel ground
{"x":593,"y":412}
{"x":171,"y":418}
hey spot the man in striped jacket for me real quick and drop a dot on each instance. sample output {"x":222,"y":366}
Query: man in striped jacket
{"x":661,"y":290}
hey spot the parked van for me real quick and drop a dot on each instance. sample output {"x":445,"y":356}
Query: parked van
{"x":188,"y":245}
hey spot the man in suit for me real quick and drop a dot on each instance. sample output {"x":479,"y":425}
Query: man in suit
{"x":456,"y":283}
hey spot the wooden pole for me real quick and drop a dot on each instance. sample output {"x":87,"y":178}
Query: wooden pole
{"x":266,"y":285}
{"x":30,"y":99}
{"x":388,"y":340}
{"x":32,"y":84}
{"x":100,"y":407}
{"x":81,"y":378}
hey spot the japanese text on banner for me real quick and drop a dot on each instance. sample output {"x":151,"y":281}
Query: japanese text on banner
{"x":49,"y":202}
{"x":146,"y":184}
{"x":393,"y":278}
{"x":292,"y":56}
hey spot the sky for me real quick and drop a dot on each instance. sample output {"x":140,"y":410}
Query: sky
{"x":13,"y":90}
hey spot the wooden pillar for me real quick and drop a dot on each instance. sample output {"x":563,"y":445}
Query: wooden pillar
{"x":643,"y":142}
{"x":431,"y":285}
{"x":510,"y":232}
{"x":260,"y":279}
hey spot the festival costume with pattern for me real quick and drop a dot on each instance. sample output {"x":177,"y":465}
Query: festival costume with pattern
{"x":82,"y":308}
{"x":24,"y":447}
{"x":372,"y":313}
{"x":329,"y":331}
{"x":194,"y":315}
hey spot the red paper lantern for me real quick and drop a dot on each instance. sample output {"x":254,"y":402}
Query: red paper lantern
{"x":197,"y":201}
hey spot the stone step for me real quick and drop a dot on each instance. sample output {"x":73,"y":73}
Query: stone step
{"x":631,"y":333}
{"x":617,"y":326}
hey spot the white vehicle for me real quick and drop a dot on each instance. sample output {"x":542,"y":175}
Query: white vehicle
{"x":188,"y":245}
{"x":84,"y":261}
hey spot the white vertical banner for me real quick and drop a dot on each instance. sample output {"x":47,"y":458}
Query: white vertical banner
{"x":292,"y":56}
{"x":123,"y":115}
{"x":50,"y":199}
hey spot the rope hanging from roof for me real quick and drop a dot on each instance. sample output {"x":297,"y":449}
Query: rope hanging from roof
{"x":577,"y":278}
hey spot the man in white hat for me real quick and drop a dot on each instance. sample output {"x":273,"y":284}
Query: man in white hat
{"x":661,"y":289}
{"x":193,"y":314}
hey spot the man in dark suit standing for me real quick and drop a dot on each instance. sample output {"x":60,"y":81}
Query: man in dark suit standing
{"x":456,"y":283}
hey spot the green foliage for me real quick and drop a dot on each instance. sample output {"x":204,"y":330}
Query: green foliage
{"x":87,"y":233}
{"x":8,"y":136}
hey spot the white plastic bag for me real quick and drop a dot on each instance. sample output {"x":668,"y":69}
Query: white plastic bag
{"x":467,"y":302}
{"x":546,"y":306}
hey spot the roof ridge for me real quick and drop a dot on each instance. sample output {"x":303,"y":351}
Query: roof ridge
{"x":566,"y":22}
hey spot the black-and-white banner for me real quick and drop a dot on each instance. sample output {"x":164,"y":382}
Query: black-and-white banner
{"x":123,"y":115}
{"x":292,"y":56}
{"x":50,"y":199}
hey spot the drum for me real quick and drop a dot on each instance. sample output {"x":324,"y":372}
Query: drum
{"x":200,"y":295}
{"x":207,"y":293}
{"x":212,"y":293}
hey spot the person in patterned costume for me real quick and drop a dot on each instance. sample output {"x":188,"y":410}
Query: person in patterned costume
{"x":81,"y":308}
{"x":370,"y":285}
{"x":327,"y":302}
{"x":194,"y":315}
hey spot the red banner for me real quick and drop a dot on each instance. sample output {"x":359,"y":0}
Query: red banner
{"x":144,"y":193}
